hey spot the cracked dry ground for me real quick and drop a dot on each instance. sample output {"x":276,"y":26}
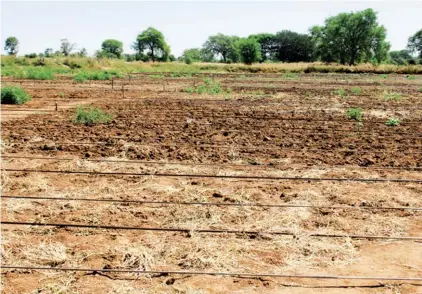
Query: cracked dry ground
{"x":267,"y":127}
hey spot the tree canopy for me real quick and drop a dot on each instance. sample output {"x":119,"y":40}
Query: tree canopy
{"x":12,"y":45}
{"x":66,"y":47}
{"x":414,"y":44}
{"x":293,"y":47}
{"x":112,"y":48}
{"x":249,"y":50}
{"x":152,"y":41}
{"x":351,"y":37}
{"x":224,"y":46}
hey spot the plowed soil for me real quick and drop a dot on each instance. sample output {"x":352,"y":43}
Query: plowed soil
{"x":286,"y":131}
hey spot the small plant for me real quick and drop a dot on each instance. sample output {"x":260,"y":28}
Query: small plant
{"x":383,"y":76}
{"x":40,"y":73}
{"x":356,"y":90}
{"x":189,"y":90}
{"x":156,"y":76}
{"x":80,"y":77}
{"x":61,"y":94}
{"x":340,"y":92}
{"x":14,"y":95}
{"x":392,"y":96}
{"x":209,"y":87}
{"x":90,"y":116}
{"x":411,"y":77}
{"x":355,"y":114}
{"x":291,"y":76}
{"x":393,"y":122}
{"x":420,"y":89}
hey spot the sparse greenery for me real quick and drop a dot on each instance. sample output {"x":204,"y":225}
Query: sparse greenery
{"x":411,"y":77}
{"x":156,"y":76}
{"x":340,"y":92}
{"x":356,"y":90}
{"x":355,"y":114}
{"x":90,"y":116}
{"x":392,"y":96}
{"x":290,"y":76}
{"x":83,"y":76}
{"x":393,"y":122}
{"x":61,"y":94}
{"x":209,"y":87}
{"x":420,"y":89}
{"x":14,"y":95}
{"x":383,"y":76}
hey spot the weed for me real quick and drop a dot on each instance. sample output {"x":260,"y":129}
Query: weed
{"x":290,"y":76}
{"x":90,"y":116}
{"x":393,"y":122}
{"x":14,"y":95}
{"x":420,"y":89}
{"x":80,"y":77}
{"x":388,"y":96}
{"x":355,"y":114}
{"x":209,"y":87}
{"x":356,"y":90}
{"x":340,"y":92}
{"x":61,"y":94}
{"x":156,"y":76}
{"x":411,"y":77}
{"x":38,"y":73}
{"x":383,"y":76}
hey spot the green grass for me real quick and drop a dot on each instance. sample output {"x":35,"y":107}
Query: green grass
{"x":393,"y":122}
{"x":61,"y":94}
{"x":181,"y":75}
{"x":290,"y":76}
{"x":355,"y":114}
{"x":420,"y":89}
{"x":411,"y":77}
{"x":392,"y":96}
{"x":83,"y":76}
{"x":356,"y":90}
{"x":383,"y":76}
{"x":90,"y":116}
{"x":340,"y":92}
{"x":156,"y":76}
{"x":14,"y":95}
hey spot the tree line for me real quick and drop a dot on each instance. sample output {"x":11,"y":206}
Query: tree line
{"x":347,"y":38}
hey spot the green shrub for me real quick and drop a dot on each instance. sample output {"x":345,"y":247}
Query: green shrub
{"x":90,"y":116}
{"x":340,"y":92}
{"x":40,"y":73}
{"x":355,"y":113}
{"x":14,"y":95}
{"x":80,"y":77}
{"x":388,"y":96}
{"x":393,"y":122}
{"x":356,"y":90}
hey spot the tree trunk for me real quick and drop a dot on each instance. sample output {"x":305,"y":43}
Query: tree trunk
{"x":152,"y":54}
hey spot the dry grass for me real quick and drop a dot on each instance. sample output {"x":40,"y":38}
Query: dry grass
{"x":51,"y":254}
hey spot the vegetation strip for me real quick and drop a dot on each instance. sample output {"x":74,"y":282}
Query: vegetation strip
{"x":213,"y":176}
{"x":330,"y":277}
{"x":255,"y":165}
{"x":210,"y":203}
{"x":211,"y":231}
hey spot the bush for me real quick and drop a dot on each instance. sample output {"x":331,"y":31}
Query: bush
{"x":40,"y":73}
{"x":209,"y":87}
{"x":340,"y":92}
{"x":356,"y":90}
{"x":14,"y":95}
{"x":393,"y":122}
{"x":355,"y":113}
{"x":388,"y":96}
{"x":90,"y":116}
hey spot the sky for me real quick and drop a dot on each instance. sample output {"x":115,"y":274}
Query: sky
{"x":185,"y":24}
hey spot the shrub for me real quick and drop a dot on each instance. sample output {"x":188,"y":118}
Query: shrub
{"x":90,"y":116}
{"x":340,"y":92}
{"x":355,"y":113}
{"x":393,"y":122}
{"x":14,"y":95}
{"x":80,"y":77}
{"x":209,"y":87}
{"x":356,"y":90}
{"x":40,"y":73}
{"x":392,"y":96}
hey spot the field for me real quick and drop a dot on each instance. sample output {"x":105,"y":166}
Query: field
{"x":214,"y":183}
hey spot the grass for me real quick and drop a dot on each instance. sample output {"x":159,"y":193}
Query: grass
{"x":355,"y":114}
{"x":290,"y":76}
{"x":356,"y":90}
{"x":14,"y":95}
{"x":156,"y":76}
{"x":90,"y":116}
{"x":340,"y":92}
{"x":411,"y":77}
{"x":392,"y":96}
{"x":84,"y":75}
{"x":420,"y":89}
{"x":61,"y":94}
{"x":383,"y":76}
{"x":393,"y":122}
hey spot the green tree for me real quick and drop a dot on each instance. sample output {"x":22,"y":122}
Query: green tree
{"x":12,"y":45}
{"x":153,"y":41}
{"x":267,"y":44}
{"x":414,"y":44}
{"x":401,"y":57}
{"x":112,"y":48}
{"x":293,"y":47}
{"x":48,"y":52}
{"x":206,"y":55}
{"x":250,"y":50}
{"x":191,"y":55}
{"x":66,"y":47}
{"x":224,"y":46}
{"x":83,"y":52}
{"x":351,"y":37}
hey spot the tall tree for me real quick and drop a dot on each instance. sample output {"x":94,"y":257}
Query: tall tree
{"x":48,"y":52}
{"x":401,"y":57}
{"x":112,"y":48}
{"x":293,"y":47}
{"x":191,"y":55}
{"x":12,"y":45}
{"x":414,"y":44}
{"x":267,"y":44}
{"x":224,"y":46}
{"x":153,"y":41}
{"x":66,"y":47}
{"x":250,"y":50}
{"x":351,"y":37}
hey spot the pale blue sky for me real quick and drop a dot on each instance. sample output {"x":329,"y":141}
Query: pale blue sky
{"x":41,"y":24}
